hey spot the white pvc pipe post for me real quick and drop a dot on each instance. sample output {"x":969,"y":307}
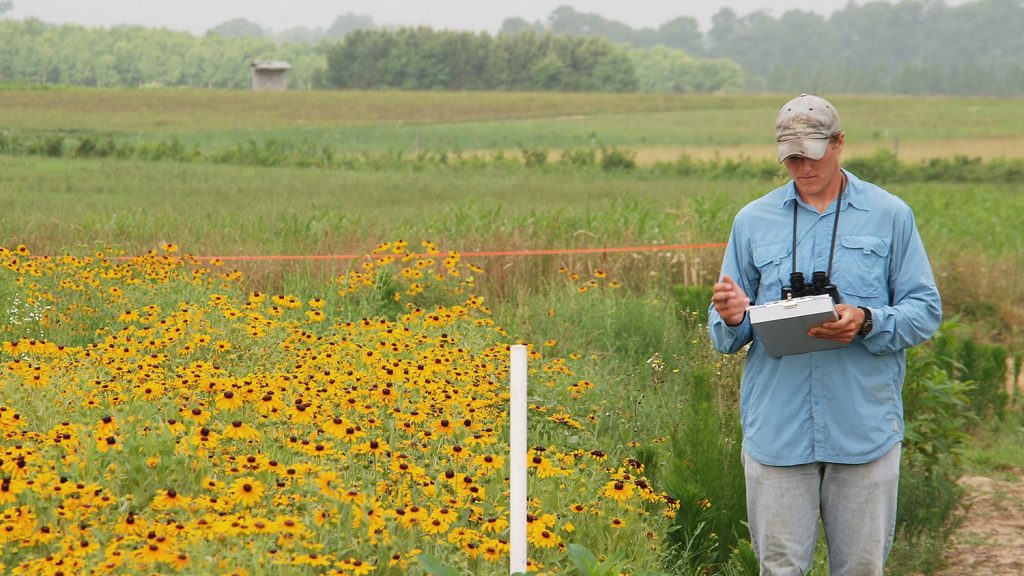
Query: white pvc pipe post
{"x":517,"y":460}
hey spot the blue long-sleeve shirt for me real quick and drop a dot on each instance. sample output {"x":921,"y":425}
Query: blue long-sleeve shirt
{"x":843,"y":405}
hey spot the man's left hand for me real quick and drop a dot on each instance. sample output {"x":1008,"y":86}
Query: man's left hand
{"x":843,"y":330}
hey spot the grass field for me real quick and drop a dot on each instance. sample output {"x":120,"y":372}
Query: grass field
{"x":625,"y":383}
{"x":401,"y":121}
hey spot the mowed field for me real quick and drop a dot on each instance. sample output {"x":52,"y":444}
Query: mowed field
{"x":280,"y":411}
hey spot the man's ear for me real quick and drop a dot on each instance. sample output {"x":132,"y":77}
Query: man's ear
{"x":838,"y":142}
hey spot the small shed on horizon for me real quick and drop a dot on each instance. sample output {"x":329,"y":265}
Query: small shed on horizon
{"x":270,"y":75}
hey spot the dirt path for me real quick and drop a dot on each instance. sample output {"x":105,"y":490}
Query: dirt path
{"x":990,"y":541}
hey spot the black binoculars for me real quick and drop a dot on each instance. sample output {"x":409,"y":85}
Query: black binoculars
{"x":820,"y":284}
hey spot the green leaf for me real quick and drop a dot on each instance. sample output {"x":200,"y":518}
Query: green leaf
{"x":583,"y":559}
{"x":435,"y":567}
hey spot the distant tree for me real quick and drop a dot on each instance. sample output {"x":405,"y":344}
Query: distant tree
{"x":301,"y":35}
{"x":348,"y":23}
{"x":566,"y":20}
{"x":5,"y":7}
{"x":682,"y":32}
{"x":425,"y":59}
{"x":38,"y":53}
{"x":518,"y":25}
{"x":238,"y":28}
{"x":663,"y":69}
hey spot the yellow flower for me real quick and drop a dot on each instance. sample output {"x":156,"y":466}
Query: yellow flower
{"x":544,"y":539}
{"x":228,"y":400}
{"x":247,"y":491}
{"x":241,"y":431}
{"x":329,"y":483}
{"x":356,"y":567}
{"x":153,"y":551}
{"x":434,"y":526}
{"x":495,"y":525}
{"x":488,"y":463}
{"x":166,"y":499}
{"x":618,"y":490}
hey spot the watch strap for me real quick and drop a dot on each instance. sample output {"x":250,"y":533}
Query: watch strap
{"x":865,"y":329}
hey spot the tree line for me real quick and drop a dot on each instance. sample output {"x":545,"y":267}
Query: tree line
{"x":33,"y":52}
{"x":909,"y":47}
{"x":905,"y":47}
{"x":425,"y":59}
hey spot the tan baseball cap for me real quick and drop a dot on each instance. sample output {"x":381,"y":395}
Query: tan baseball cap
{"x":804,"y":126}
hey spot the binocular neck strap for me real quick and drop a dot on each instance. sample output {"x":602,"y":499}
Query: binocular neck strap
{"x":835,"y":225}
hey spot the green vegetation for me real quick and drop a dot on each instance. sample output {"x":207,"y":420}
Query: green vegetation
{"x":422,"y":59}
{"x":407,"y":59}
{"x":908,"y":47}
{"x":38,"y":53}
{"x":666,"y":401}
{"x":354,"y":122}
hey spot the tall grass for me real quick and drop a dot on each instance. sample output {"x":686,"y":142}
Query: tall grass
{"x":971,"y":231}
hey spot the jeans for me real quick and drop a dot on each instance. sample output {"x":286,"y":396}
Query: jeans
{"x":856,"y":503}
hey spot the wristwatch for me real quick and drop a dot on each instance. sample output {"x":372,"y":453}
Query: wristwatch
{"x":868,"y":324}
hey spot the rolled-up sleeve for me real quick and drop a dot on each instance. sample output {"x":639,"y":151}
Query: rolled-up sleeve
{"x":915,"y":309}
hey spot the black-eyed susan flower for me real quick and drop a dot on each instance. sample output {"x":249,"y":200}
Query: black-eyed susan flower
{"x":239,"y":430}
{"x":246,"y":492}
{"x":167,"y":499}
{"x":495,"y":525}
{"x":489,"y":463}
{"x":355,"y":567}
{"x":228,"y":400}
{"x":544,"y":539}
{"x":618,"y":490}
{"x":195,"y":414}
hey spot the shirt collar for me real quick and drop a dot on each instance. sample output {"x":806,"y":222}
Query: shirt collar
{"x":853,"y":195}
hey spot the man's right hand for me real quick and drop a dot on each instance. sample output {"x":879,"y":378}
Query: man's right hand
{"x":730,"y":301}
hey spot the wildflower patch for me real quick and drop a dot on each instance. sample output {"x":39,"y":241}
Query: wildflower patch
{"x":158,"y":416}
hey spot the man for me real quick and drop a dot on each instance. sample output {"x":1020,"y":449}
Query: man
{"x":822,"y":430}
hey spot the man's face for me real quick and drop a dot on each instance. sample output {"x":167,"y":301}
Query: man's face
{"x":817,"y":178}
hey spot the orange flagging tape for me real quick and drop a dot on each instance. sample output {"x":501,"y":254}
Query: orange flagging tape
{"x":562,"y":251}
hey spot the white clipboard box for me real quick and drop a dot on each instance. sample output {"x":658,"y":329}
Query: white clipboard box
{"x":782,"y":325}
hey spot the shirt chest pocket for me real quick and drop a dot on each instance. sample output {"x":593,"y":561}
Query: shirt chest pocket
{"x":774,"y":263}
{"x":861,"y":266}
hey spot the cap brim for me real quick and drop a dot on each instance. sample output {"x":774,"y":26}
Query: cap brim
{"x":813,"y":148}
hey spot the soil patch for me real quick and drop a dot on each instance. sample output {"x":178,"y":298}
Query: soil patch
{"x":990,"y":540}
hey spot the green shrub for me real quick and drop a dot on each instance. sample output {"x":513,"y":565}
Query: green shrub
{"x":534,"y":157}
{"x":578,"y":157}
{"x":51,"y":146}
{"x":615,"y":160}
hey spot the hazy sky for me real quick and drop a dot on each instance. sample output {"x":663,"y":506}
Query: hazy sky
{"x":197,"y":16}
